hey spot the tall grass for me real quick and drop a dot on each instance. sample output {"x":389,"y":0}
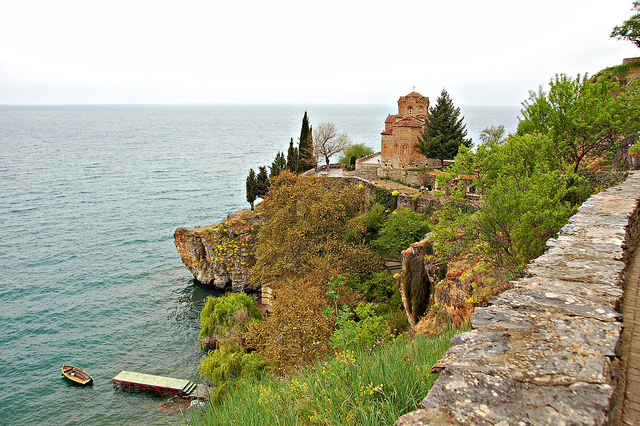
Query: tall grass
{"x":363,"y":387}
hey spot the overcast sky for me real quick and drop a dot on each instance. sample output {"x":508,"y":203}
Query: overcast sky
{"x":488,"y":52}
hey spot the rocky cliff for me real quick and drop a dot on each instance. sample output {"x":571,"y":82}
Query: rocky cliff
{"x":221,"y":254}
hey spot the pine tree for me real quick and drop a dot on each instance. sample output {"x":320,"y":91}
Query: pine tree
{"x":307,"y":160}
{"x":262,"y":182}
{"x":444,"y":132}
{"x":279,"y":164}
{"x":252,"y":188}
{"x":293,"y":158}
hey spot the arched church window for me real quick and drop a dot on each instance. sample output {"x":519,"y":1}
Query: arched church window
{"x":404,"y":149}
{"x":410,"y":110}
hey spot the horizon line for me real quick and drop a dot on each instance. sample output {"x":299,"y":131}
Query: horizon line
{"x":227,"y":104}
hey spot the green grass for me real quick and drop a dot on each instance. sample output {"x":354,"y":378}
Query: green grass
{"x":624,"y":69}
{"x":365,"y":388}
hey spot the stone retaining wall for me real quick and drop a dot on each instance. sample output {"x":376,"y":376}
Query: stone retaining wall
{"x":421,"y":203}
{"x":404,"y":176}
{"x":545,"y":352}
{"x":626,"y":61}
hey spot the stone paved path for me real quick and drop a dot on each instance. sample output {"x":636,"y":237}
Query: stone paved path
{"x":631,"y":343}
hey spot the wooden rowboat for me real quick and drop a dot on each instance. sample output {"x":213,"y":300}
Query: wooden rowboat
{"x":76,"y":374}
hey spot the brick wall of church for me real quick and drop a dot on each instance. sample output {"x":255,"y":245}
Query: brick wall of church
{"x":408,"y":106}
{"x":399,"y":149}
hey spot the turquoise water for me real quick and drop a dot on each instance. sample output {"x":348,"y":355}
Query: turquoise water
{"x":89,"y":199}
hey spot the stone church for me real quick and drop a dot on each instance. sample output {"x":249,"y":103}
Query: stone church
{"x":401,"y":133}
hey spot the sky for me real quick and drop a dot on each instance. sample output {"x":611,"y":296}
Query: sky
{"x":489,"y":52}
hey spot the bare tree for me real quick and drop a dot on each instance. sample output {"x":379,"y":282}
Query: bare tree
{"x":327,"y":142}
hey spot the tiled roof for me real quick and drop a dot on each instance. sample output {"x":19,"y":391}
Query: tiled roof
{"x":409,"y":122}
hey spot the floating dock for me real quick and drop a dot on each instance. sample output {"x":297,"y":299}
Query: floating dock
{"x":151,"y":383}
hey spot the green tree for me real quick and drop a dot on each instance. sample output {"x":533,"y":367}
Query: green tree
{"x":444,"y":131}
{"x":262,"y":182}
{"x":279,"y":164}
{"x":227,"y":317}
{"x":583,"y":117}
{"x":402,"y":228}
{"x":305,"y":143}
{"x":519,"y":216}
{"x":630,"y":29}
{"x":252,"y":188}
{"x":227,"y":363}
{"x":525,"y":191}
{"x":293,"y":158}
{"x":356,"y":151}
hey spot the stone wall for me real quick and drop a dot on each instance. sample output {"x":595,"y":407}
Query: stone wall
{"x":626,"y":61}
{"x":400,"y":175}
{"x":422,"y":203}
{"x":545,"y":352}
{"x":366,"y":171}
{"x":411,"y":177}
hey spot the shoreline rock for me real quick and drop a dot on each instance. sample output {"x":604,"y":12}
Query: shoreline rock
{"x":220,"y":255}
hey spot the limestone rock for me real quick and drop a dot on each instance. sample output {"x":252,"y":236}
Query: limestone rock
{"x":221,"y":254}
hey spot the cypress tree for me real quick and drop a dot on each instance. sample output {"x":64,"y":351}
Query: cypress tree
{"x":306,"y":145}
{"x":444,"y":132}
{"x":293,"y":158}
{"x":279,"y":164}
{"x":262,"y":182}
{"x":252,"y":188}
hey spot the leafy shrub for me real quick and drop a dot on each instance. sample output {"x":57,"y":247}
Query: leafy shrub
{"x":366,"y":331}
{"x":383,"y":196}
{"x":401,"y":228}
{"x":380,"y":288}
{"x":397,"y":321}
{"x":374,"y":218}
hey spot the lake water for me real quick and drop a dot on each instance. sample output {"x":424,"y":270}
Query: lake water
{"x":89,"y":276}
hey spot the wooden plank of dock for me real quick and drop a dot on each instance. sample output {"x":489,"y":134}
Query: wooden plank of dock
{"x":150,"y":382}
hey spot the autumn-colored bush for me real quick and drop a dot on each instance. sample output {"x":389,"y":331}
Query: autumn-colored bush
{"x":297,"y":333}
{"x":311,"y":219}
